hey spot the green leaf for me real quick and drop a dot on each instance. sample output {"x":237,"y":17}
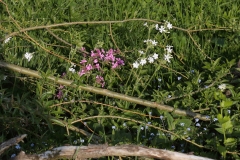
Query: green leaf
{"x":226,"y":104}
{"x":220,"y":130}
{"x":222,"y":150}
{"x":171,"y":125}
{"x":230,"y":142}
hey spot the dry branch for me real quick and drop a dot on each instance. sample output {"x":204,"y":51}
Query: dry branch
{"x":13,"y":141}
{"x":96,"y":151}
{"x":105,"y":92}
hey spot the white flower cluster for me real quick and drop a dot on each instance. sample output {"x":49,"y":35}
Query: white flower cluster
{"x":72,"y":68}
{"x":143,"y":61}
{"x":164,"y":28}
{"x":151,"y":42}
{"x":222,"y":87}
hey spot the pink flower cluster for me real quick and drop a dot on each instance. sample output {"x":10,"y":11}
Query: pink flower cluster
{"x":98,"y":58}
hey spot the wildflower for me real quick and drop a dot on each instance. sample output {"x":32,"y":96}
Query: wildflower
{"x":95,"y":61}
{"x":159,"y":79}
{"x":124,"y":124}
{"x":204,"y":129}
{"x":167,"y":57}
{"x":83,"y":61}
{"x":179,"y":78}
{"x":169,"y":49}
{"x":83,"y":49}
{"x":17,"y":146}
{"x":81,"y":140}
{"x":169,"y":96}
{"x":28,"y":56}
{"x":143,"y":61}
{"x":82,"y":72}
{"x":182,"y":124}
{"x":13,"y":155}
{"x":145,"y":24}
{"x":196,"y":120}
{"x":150,"y":59}
{"x":135,"y":65}
{"x":199,"y":81}
{"x":155,"y":56}
{"x":154,"y":42}
{"x":72,"y":70}
{"x":59,"y":94}
{"x":89,"y":67}
{"x":75,"y":142}
{"x":150,"y":113}
{"x":142,"y":128}
{"x":161,"y":117}
{"x":113,"y":127}
{"x":198,"y":125}
{"x":188,"y":129}
{"x":229,"y":111}
{"x":85,"y":123}
{"x":156,"y":26}
{"x":100,"y":80}
{"x":4,"y":77}
{"x":169,"y":25}
{"x":162,"y":29}
{"x":97,"y":66}
{"x":152,"y":134}
{"x":222,"y":87}
{"x":141,"y":52}
{"x":188,"y":138}
{"x":7,"y":40}
{"x":215,"y":119}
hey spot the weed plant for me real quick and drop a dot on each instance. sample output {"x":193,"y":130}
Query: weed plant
{"x":181,"y":54}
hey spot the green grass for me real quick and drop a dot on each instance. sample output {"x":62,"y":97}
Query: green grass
{"x":205,"y":38}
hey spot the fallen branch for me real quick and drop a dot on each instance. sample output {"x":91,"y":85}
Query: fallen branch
{"x":105,"y":92}
{"x":11,"y":142}
{"x":97,"y":151}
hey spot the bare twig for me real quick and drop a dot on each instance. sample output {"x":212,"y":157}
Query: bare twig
{"x":105,"y":92}
{"x":5,"y":145}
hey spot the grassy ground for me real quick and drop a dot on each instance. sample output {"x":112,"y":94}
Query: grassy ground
{"x":205,"y":38}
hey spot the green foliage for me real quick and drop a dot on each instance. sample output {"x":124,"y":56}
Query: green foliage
{"x":202,"y":75}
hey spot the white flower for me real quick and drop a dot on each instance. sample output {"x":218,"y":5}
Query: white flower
{"x":13,"y":155}
{"x":154,"y":42}
{"x":196,"y":120}
{"x":4,"y":77}
{"x":150,"y":113}
{"x":143,"y":61}
{"x":113,"y":127}
{"x":182,"y":124}
{"x":188,"y":129}
{"x":215,"y":119}
{"x":145,"y":24}
{"x":150,"y":59}
{"x":28,"y":56}
{"x":124,"y":124}
{"x":72,"y":70}
{"x":198,"y":125}
{"x":142,"y":128}
{"x":161,"y":117}
{"x":169,"y":25}
{"x":155,"y":56}
{"x":156,"y":26}
{"x":81,"y":140}
{"x":135,"y":65}
{"x":169,"y":49}
{"x":222,"y":87}
{"x":162,"y":29}
{"x":7,"y":40}
{"x":179,"y":78}
{"x":167,"y":57}
{"x":159,"y":79}
{"x":141,"y":52}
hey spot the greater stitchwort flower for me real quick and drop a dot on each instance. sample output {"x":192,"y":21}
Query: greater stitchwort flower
{"x":28,"y":56}
{"x":222,"y":87}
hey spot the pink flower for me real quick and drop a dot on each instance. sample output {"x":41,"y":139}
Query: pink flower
{"x":83,"y":61}
{"x":82,"y":72}
{"x":114,"y":65}
{"x":95,"y":61}
{"x":89,"y":67}
{"x":59,"y":94}
{"x":97,"y":66}
{"x":100,"y":80}
{"x":120,"y":61}
{"x":83,"y":49}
